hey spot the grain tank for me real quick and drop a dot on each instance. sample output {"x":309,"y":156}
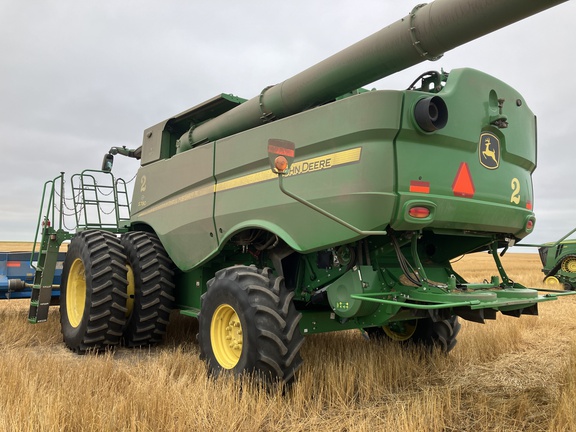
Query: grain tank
{"x":315,"y":206}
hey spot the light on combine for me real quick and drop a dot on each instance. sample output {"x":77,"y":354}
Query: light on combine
{"x":529,"y":224}
{"x":419,"y":212}
{"x":281,"y":163}
{"x":431,"y":113}
{"x":108,"y":162}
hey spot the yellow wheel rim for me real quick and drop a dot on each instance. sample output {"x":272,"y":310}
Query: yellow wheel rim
{"x":76,"y":293}
{"x":552,"y":281}
{"x":226,"y":336}
{"x":130,"y":290}
{"x":569,"y":265}
{"x":400,"y":331}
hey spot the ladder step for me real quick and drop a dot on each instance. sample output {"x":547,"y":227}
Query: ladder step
{"x":39,"y":303}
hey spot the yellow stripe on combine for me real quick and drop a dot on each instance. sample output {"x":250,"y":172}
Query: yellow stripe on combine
{"x":245,"y":180}
{"x":196,"y":193}
{"x":307,"y":166}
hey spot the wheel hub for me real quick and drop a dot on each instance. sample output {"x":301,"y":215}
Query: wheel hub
{"x":569,"y":265}
{"x":226,"y":336}
{"x":76,"y":293}
{"x":400,"y":331}
{"x":130,"y":291}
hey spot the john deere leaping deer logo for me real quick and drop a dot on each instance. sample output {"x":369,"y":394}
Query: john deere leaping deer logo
{"x":489,"y":151}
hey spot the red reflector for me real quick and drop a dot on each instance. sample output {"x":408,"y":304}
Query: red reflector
{"x":529,"y":225}
{"x":281,"y":151}
{"x":463,"y":185}
{"x":419,"y":186}
{"x":13,"y":264}
{"x":529,"y":205}
{"x":419,"y":212}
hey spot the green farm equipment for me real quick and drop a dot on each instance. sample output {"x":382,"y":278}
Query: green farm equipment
{"x":316,"y":206}
{"x":559,"y":262}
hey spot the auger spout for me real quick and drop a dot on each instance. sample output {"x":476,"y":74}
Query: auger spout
{"x":426,"y":33}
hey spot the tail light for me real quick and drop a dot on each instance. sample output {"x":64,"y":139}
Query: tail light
{"x":419,"y":212}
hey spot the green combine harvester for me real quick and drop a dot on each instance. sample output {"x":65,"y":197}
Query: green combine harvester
{"x":559,"y":262}
{"x":315,"y":206}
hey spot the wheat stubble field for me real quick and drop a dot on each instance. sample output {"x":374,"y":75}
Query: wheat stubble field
{"x":507,"y":375}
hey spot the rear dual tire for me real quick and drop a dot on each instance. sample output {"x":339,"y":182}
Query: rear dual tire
{"x":151,"y":291}
{"x":115,"y":291}
{"x":93,"y":292}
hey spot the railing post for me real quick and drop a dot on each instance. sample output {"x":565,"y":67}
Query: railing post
{"x":61,"y":219}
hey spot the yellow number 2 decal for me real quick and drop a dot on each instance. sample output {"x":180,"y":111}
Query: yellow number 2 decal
{"x":515,"y":185}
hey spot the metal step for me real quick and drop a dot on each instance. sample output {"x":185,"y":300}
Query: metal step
{"x":39,"y":304}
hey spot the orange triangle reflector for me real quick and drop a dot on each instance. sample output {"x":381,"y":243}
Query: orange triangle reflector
{"x":463,"y":185}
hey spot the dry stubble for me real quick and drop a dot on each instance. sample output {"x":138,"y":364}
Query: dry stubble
{"x":509,"y":374}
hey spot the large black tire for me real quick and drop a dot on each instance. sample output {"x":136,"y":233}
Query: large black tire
{"x":249,"y":324}
{"x":440,"y":334}
{"x":93,"y":292}
{"x":150,"y":287}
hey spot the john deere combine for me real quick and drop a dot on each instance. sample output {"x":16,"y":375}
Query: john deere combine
{"x":315,"y":206}
{"x":559,"y":261}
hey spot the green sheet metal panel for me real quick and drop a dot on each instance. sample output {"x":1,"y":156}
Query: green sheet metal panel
{"x":449,"y":162}
{"x":344,"y":163}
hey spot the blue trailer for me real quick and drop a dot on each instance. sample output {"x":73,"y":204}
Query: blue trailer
{"x":17,"y":275}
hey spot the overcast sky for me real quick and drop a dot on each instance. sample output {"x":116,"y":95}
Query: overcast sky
{"x":77,"y":77}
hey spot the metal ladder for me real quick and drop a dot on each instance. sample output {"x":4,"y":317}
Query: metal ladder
{"x":96,"y":205}
{"x":41,"y":296}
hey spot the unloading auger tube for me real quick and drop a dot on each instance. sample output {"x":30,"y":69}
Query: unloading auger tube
{"x":426,"y":33}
